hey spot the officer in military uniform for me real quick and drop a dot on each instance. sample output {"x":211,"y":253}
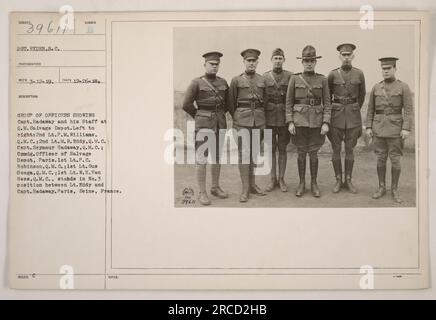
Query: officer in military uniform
{"x":389,"y":122}
{"x":210,"y":94}
{"x":246,"y":105}
{"x":308,"y":114}
{"x":276,"y":81}
{"x":347,"y":90}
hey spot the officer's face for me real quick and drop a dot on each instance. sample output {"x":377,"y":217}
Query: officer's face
{"x":388,"y":71}
{"x":309,"y":64}
{"x":211,"y":67}
{"x":346,"y":58}
{"x":277,"y":62}
{"x":250,"y":64}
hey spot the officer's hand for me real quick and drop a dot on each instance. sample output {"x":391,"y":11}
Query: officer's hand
{"x":324,"y":129}
{"x":404,"y":134}
{"x":291,"y":128}
{"x":369,"y":132}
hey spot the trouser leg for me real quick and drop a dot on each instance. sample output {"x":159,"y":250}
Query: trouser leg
{"x":301,"y":163}
{"x":273,"y":173}
{"x":216,"y":189}
{"x":201,"y":181}
{"x":314,"y":173}
{"x":254,"y":151}
{"x":351,"y":137}
{"x":395,"y":153}
{"x":283,"y":141}
{"x":381,"y":150}
{"x":335,"y":136}
{"x":244,"y":145}
{"x":244,"y":172}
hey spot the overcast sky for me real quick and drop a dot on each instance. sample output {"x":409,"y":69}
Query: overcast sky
{"x":191,"y":42}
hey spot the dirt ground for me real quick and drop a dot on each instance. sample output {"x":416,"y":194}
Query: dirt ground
{"x":364,"y":178}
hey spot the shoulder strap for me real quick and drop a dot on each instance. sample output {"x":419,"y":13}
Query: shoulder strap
{"x":215,"y":90}
{"x":209,"y":84}
{"x":343,"y":81}
{"x":385,"y":94}
{"x":305,"y":82}
{"x":253,"y":91}
{"x":275,"y":81}
{"x":341,"y":76}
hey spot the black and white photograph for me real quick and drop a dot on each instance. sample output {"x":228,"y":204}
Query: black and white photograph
{"x":249,"y":150}
{"x":330,"y":110}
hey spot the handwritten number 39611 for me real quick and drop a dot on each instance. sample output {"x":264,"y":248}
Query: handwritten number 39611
{"x":48,"y":27}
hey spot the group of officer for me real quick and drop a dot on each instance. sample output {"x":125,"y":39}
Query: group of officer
{"x":305,"y":108}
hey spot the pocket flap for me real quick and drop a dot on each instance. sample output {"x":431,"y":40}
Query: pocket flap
{"x":269,"y":82}
{"x":396,"y":92}
{"x":222,"y":88}
{"x":243,"y":84}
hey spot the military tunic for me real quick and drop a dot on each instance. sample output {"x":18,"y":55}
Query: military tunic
{"x":347,"y":89}
{"x":390,"y":110}
{"x":211,"y":109}
{"x":210,"y":94}
{"x":276,"y":87}
{"x":246,"y":100}
{"x":246,"y":105}
{"x":308,"y":107}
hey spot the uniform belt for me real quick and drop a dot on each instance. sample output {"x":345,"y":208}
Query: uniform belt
{"x":211,"y":108}
{"x":312,"y":102}
{"x":388,"y":112}
{"x":253,"y":104}
{"x":277,"y":103}
{"x":345,"y":100}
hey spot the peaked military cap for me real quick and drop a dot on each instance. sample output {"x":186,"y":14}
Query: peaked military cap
{"x":346,"y":47}
{"x":213,"y":55}
{"x":391,"y":61}
{"x":250,"y":53}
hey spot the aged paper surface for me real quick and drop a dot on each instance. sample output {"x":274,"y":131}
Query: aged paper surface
{"x":95,"y":205}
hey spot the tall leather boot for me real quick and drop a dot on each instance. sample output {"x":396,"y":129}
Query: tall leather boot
{"x":254,"y":189}
{"x":273,"y":175}
{"x":201,"y":181}
{"x":283,"y":159}
{"x":314,"y":174}
{"x":244,"y":172}
{"x":337,"y":167}
{"x":395,"y":172}
{"x":381,"y":191}
{"x":301,"y":162}
{"x":216,"y":189}
{"x":348,"y":173}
